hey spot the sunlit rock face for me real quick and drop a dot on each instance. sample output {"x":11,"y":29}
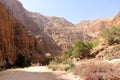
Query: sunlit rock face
{"x":93,"y":26}
{"x":7,"y":31}
{"x":55,"y":32}
{"x":116,"y":20}
{"x":16,"y":9}
{"x":15,"y":39}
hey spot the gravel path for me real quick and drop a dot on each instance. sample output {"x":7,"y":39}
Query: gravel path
{"x":36,"y":73}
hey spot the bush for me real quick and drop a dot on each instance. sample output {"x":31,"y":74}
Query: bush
{"x":70,"y":65}
{"x":53,"y":67}
{"x":57,"y":60}
{"x":68,"y":53}
{"x":95,"y":43}
{"x":98,"y":70}
{"x":21,"y":61}
{"x":111,"y":35}
{"x":81,"y":49}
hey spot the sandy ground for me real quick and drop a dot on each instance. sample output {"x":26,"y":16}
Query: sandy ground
{"x":36,"y":73}
{"x":113,"y":61}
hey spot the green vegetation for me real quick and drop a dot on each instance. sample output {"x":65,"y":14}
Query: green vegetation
{"x":95,"y":43}
{"x":67,"y":53}
{"x":111,"y":35}
{"x":81,"y":49}
{"x":92,"y":70}
{"x":57,"y":60}
{"x":70,"y":65}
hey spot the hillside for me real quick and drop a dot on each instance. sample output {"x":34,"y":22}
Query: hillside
{"x":52,"y":29}
{"x":50,"y":34}
{"x":94,"y":26}
{"x":16,"y":9}
{"x":15,"y":40}
{"x":116,"y":20}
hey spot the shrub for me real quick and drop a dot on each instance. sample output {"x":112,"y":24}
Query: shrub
{"x":68,"y":53}
{"x":98,"y":70}
{"x":57,"y":60}
{"x":111,"y":35}
{"x":70,"y":65}
{"x":95,"y":43}
{"x":53,"y":67}
{"x":81,"y":49}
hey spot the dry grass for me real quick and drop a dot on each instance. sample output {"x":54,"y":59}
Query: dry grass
{"x":98,"y":70}
{"x":57,"y":67}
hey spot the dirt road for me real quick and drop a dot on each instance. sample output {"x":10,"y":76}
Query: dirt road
{"x":36,"y":73}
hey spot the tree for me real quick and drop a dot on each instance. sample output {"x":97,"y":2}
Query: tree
{"x":81,"y":49}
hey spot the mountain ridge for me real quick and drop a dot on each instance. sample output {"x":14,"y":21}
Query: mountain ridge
{"x":51,"y":30}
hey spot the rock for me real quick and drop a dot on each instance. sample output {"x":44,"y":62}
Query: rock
{"x":15,"y":39}
{"x":7,"y":47}
{"x":30,"y":22}
{"x":94,"y":26}
{"x":116,"y":20}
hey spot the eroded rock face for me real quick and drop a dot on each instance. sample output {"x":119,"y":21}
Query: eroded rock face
{"x":7,"y":47}
{"x":30,"y":22}
{"x":51,"y":29}
{"x":25,"y":42}
{"x":15,"y":39}
{"x":54,"y":31}
{"x":116,"y":20}
{"x":16,"y":9}
{"x":94,"y":26}
{"x":64,"y":33}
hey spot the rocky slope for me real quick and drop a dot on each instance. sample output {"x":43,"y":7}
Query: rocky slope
{"x":57,"y":28}
{"x":43,"y":27}
{"x":116,"y":20}
{"x":16,"y":9}
{"x":105,"y":51}
{"x":15,"y":39}
{"x":63,"y":32}
{"x":54,"y":30}
{"x":94,"y":26}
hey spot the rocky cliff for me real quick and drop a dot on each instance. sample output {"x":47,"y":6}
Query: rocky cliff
{"x":50,"y":31}
{"x":16,"y":9}
{"x":7,"y":46}
{"x":15,"y":40}
{"x":116,"y":20}
{"x":94,"y":26}
{"x":63,"y":32}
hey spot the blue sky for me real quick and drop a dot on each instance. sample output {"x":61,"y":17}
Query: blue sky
{"x":74,"y":10}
